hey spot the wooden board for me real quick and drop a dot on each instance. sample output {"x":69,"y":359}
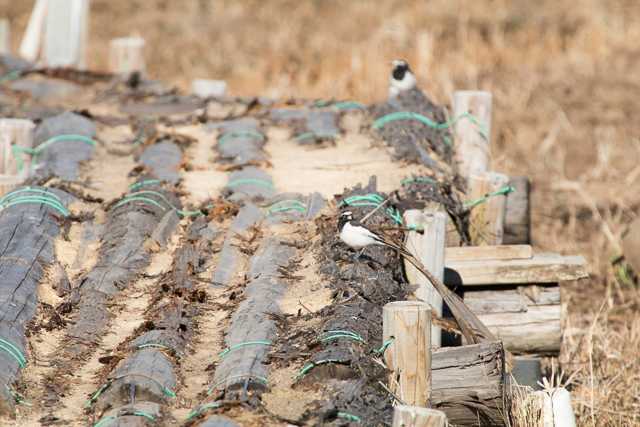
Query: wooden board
{"x":527,"y":319}
{"x":468,"y":384}
{"x":477,"y":253}
{"x":541,"y":268}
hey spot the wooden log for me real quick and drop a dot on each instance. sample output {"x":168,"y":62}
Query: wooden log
{"x":252,"y":326}
{"x":163,"y":160}
{"x":542,"y":268}
{"x":631,"y":245}
{"x":487,"y":217}
{"x":478,"y":253}
{"x":416,"y":416}
{"x":527,"y":318}
{"x":468,"y":384}
{"x":206,"y":88}
{"x":27,"y":231}
{"x":473,"y":148}
{"x":408,"y":325}
{"x":65,"y":35}
{"x":429,"y":247}
{"x":517,"y":221}
{"x":5,"y":41}
{"x":126,"y":55}
{"x":138,"y":414}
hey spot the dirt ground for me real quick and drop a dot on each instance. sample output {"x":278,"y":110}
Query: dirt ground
{"x":565,"y":84}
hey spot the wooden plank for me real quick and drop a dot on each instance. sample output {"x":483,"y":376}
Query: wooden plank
{"x":542,"y":268}
{"x":477,"y":253}
{"x":468,"y":384}
{"x":408,"y":325}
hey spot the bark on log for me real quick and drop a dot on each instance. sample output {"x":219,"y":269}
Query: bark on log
{"x":163,"y":160}
{"x":526,"y":318}
{"x":252,"y":327}
{"x":468,"y":384}
{"x":517,"y":222}
{"x":140,"y":414}
{"x":27,"y":232}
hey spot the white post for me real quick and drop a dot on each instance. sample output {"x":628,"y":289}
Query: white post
{"x":415,"y":416}
{"x":5,"y":40}
{"x":473,"y":148}
{"x":30,"y":45}
{"x":17,"y":132}
{"x":205,"y":88}
{"x":66,"y":29}
{"x":429,"y":248}
{"x":126,"y":55}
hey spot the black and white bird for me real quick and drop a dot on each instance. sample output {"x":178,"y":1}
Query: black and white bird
{"x":357,"y":236}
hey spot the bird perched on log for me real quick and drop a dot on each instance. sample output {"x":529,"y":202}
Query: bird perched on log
{"x":358,"y":236}
{"x":413,"y":140}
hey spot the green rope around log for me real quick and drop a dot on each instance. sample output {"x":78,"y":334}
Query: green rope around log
{"x":137,"y":413}
{"x":501,"y":192}
{"x":349,"y":417}
{"x":141,"y":196}
{"x":144,"y":183}
{"x":250,"y":181}
{"x":202,"y":409}
{"x":165,"y":390}
{"x":234,"y":347}
{"x":18,"y":151}
{"x":287,"y":206}
{"x":408,"y":115}
{"x":373,"y":200}
{"x":236,"y":134}
{"x":348,"y":105}
{"x":418,"y":179}
{"x":33,"y":195}
{"x":336,"y":334}
{"x":12,"y":350}
{"x":310,"y":365}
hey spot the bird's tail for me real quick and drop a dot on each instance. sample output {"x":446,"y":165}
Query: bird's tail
{"x":471,"y":327}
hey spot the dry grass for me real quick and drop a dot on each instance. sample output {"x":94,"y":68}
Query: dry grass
{"x":566,"y":87}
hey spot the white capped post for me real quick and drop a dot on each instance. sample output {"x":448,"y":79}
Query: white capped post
{"x":5,"y":40}
{"x":65,"y":33}
{"x":415,"y":416}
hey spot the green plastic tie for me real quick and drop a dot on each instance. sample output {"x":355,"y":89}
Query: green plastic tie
{"x":12,"y":75}
{"x":165,"y":390}
{"x":144,"y":183}
{"x":501,"y":192}
{"x":310,"y":365}
{"x":140,"y":196}
{"x":17,"y":397}
{"x":334,"y":335}
{"x":14,"y":351}
{"x":408,"y":115}
{"x":385,"y":345}
{"x":349,"y":417}
{"x":254,"y":181}
{"x":136,"y":413}
{"x":372,"y":200}
{"x":304,"y":136}
{"x":28,"y":190}
{"x":35,"y":152}
{"x":51,"y":202}
{"x":146,"y":200}
{"x":153,"y":345}
{"x":287,"y":205}
{"x":348,"y":105}
{"x":262,"y":380}
{"x":240,"y":134}
{"x":234,"y":347}
{"x":202,"y":408}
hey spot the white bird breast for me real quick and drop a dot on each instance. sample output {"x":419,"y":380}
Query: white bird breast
{"x":357,"y":237}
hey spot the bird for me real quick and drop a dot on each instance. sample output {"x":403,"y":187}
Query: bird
{"x":357,"y":236}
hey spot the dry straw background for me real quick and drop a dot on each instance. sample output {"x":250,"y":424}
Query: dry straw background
{"x":566,"y":83}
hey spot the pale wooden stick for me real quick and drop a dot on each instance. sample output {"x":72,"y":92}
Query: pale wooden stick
{"x":126,"y":55}
{"x":473,"y":148}
{"x":414,"y":416}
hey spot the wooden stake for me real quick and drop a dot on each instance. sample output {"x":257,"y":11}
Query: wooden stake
{"x":30,"y":45}
{"x":66,"y":29}
{"x":14,"y":132}
{"x":407,"y":324}
{"x":126,"y":55}
{"x":415,"y":416}
{"x":472,"y":139}
{"x":4,"y":36}
{"x":205,"y":88}
{"x":429,"y":248}
{"x":487,"y":218}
